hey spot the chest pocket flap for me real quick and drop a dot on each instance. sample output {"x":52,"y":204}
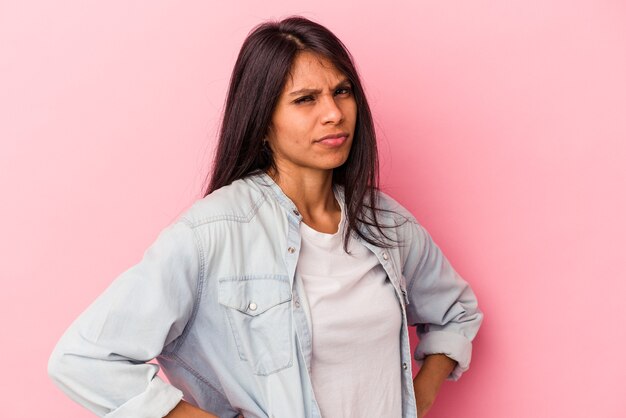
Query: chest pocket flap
{"x":254,"y":295}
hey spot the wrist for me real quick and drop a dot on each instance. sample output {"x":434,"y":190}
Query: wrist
{"x":434,"y":371}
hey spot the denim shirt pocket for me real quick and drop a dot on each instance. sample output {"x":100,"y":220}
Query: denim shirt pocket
{"x":259,"y":313}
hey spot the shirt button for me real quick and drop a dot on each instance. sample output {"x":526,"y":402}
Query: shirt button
{"x":291,"y":250}
{"x":252,"y":306}
{"x":404,"y":366}
{"x":297,"y":304}
{"x":385,"y":256}
{"x":295,"y":212}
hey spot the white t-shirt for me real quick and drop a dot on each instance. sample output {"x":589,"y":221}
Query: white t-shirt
{"x":356,"y":322}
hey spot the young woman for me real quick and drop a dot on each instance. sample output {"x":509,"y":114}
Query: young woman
{"x":289,"y":289}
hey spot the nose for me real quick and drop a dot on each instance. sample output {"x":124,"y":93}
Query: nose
{"x":331,"y":113}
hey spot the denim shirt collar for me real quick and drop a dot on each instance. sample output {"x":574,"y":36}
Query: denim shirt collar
{"x":263,"y":179}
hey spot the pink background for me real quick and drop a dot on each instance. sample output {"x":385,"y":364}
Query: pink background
{"x":502,"y":127}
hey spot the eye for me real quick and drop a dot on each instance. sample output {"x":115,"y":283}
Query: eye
{"x":303,"y":99}
{"x":343,"y":91}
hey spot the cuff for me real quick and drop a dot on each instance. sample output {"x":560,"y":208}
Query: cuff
{"x":155,"y":402}
{"x":455,"y":346}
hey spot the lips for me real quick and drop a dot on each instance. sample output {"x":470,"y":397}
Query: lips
{"x":333,"y":140}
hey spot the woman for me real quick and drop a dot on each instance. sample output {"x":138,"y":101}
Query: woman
{"x":287,"y":291}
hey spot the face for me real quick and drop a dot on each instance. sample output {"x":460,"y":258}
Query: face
{"x":313,"y":123}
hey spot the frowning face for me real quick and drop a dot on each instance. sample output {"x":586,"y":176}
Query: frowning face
{"x":313,"y":124}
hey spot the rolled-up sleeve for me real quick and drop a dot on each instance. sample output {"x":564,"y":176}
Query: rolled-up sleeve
{"x":101,"y":361}
{"x":442,"y":305}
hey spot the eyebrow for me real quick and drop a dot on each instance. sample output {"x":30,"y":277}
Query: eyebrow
{"x":343,"y":82}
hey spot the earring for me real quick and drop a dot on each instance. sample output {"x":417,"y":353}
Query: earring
{"x":265,"y":145}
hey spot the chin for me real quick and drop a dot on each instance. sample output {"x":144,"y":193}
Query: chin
{"x":337,"y":164}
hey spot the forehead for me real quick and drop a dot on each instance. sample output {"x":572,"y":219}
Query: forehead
{"x":310,"y":70}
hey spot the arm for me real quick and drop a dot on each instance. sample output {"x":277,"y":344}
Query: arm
{"x":445,"y":311}
{"x":434,"y":370}
{"x":101,"y":360}
{"x":442,"y":305}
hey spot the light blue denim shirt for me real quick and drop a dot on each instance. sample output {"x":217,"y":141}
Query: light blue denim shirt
{"x":213,"y":300}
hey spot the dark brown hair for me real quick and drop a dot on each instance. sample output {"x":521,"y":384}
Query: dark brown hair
{"x":256,"y":84}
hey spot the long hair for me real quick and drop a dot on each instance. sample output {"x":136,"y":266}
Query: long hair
{"x":257,"y":81}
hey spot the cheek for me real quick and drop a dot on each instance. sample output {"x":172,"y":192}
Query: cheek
{"x":351,"y":110}
{"x":289,"y":137}
{"x":293,"y":130}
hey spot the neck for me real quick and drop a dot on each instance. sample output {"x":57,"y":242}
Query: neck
{"x":312,"y":193}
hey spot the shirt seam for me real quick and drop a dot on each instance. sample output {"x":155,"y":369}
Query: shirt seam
{"x":199,"y":289}
{"x":194,"y":223}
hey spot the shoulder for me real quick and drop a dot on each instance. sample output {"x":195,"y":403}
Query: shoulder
{"x":408,"y":230}
{"x":390,"y":208}
{"x":238,"y":202}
